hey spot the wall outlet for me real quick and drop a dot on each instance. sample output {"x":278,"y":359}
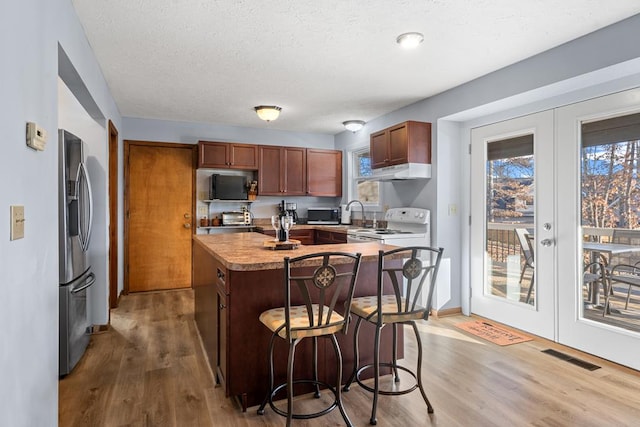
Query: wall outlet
{"x":202,"y":211}
{"x":453,"y":210}
{"x":17,"y":222}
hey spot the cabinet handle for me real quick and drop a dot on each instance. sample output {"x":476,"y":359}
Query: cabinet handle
{"x":222,"y":306}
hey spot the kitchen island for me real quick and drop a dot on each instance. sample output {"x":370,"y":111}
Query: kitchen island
{"x":235,"y":279}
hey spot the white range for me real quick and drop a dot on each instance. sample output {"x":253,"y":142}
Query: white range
{"x":405,"y":227}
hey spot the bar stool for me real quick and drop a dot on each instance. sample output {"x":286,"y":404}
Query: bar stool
{"x":412,"y":273}
{"x":319,"y":282}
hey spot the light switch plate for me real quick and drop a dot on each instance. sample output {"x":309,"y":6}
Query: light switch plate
{"x":17,"y":222}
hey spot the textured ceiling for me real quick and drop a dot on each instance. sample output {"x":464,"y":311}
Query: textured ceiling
{"x":322,"y":61}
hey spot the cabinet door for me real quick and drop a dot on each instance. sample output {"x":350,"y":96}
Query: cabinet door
{"x":324,"y":173}
{"x":295,"y":171}
{"x":223,"y":333}
{"x":243,"y":156}
{"x":270,"y":173}
{"x":379,"y":149}
{"x":306,"y":236}
{"x":338,"y":237}
{"x":213,"y":154}
{"x":398,"y":145}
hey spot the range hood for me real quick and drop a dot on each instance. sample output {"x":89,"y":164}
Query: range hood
{"x":401,"y":172}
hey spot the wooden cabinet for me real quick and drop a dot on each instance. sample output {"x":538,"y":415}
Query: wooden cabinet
{"x":324,"y":173}
{"x":324,"y":237}
{"x":222,"y":332}
{"x":211,"y":310}
{"x":408,"y":142}
{"x":282,"y":171}
{"x":227,"y":155}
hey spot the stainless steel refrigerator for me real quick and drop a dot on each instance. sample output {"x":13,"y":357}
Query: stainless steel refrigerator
{"x":75,"y":220}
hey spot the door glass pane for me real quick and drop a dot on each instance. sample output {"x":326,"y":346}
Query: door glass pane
{"x":510,"y":221}
{"x":610,"y":207}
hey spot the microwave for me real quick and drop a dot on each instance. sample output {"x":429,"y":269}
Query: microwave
{"x":323,"y":216}
{"x":228,"y":187}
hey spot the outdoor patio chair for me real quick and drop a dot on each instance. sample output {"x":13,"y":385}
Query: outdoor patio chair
{"x":595,"y":274}
{"x":626,"y":274}
{"x":527,"y":252}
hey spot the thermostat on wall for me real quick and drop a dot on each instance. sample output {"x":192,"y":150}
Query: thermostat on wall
{"x":36,"y":136}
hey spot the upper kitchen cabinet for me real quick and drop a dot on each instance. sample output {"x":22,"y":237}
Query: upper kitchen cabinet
{"x":324,"y":173}
{"x":408,"y":142}
{"x":282,"y":171}
{"x":227,"y":155}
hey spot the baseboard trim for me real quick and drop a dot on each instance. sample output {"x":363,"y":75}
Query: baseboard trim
{"x":446,"y":312}
{"x":98,"y":329}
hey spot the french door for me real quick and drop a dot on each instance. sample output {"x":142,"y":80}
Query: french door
{"x":567,"y":179}
{"x":597,"y":144}
{"x":512,"y":179}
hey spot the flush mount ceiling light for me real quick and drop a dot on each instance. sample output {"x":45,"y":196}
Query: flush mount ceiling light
{"x":409,"y":40}
{"x":353,"y":125}
{"x":267,"y":112}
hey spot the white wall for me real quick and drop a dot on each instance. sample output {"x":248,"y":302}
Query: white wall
{"x":191,"y":133}
{"x":29,"y":34}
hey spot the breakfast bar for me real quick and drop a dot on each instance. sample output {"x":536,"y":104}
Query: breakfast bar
{"x":236,"y":278}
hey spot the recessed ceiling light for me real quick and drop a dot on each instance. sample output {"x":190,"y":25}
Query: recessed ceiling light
{"x":409,"y":40}
{"x":353,"y":125}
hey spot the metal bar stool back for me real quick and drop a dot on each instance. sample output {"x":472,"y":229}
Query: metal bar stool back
{"x":412,"y":272}
{"x":318,"y":293}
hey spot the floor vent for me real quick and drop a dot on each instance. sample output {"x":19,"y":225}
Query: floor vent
{"x":571,"y":359}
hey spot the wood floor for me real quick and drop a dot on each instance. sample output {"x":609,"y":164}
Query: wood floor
{"x":148,"y":369}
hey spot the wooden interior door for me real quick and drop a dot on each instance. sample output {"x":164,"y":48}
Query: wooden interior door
{"x":113,"y":216}
{"x":159,"y":180}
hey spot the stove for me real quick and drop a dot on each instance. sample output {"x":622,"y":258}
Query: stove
{"x":405,"y":227}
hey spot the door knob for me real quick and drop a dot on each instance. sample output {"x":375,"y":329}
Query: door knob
{"x":187,"y":216}
{"x":187,"y":225}
{"x":546,"y":242}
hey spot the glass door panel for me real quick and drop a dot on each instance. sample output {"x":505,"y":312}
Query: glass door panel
{"x":510,"y":225}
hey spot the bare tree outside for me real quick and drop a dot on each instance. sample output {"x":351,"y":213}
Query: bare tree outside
{"x":610,"y":192}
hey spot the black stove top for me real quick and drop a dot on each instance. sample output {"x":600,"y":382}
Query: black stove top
{"x":391,"y":232}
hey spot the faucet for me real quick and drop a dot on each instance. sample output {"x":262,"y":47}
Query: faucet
{"x":364,"y":220}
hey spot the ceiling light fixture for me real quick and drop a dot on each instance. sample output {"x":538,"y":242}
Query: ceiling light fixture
{"x":409,"y":40}
{"x":354,"y":125}
{"x":267,"y":112}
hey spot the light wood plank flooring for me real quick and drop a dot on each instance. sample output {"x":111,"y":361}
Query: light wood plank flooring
{"x":148,"y":369}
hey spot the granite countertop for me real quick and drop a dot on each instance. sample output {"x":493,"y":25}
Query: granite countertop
{"x":332,"y":228}
{"x":245,"y":251}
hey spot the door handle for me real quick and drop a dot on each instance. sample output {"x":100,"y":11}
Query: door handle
{"x":546,"y":242}
{"x":187,"y":225}
{"x":187,"y":216}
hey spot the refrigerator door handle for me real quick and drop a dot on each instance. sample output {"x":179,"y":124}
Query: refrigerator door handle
{"x":91,"y":279}
{"x":86,"y":206}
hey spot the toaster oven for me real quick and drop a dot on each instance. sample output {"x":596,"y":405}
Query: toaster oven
{"x":236,"y":218}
